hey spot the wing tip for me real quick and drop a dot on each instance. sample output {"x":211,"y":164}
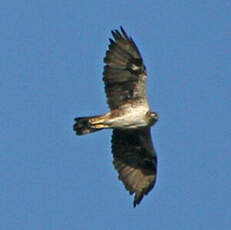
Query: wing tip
{"x":137,"y":199}
{"x":124,"y":33}
{"x":120,"y":34}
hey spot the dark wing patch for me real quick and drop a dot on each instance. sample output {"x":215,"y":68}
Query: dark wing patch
{"x":124,"y":72}
{"x":135,"y":160}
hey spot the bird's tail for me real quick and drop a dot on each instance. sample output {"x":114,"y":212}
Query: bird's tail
{"x":83,"y":126}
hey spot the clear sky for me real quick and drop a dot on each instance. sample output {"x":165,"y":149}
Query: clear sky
{"x":51,"y":64}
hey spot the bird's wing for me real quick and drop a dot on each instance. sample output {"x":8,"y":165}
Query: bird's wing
{"x":135,"y":160}
{"x":124,"y":72}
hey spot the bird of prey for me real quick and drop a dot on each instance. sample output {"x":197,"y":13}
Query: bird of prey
{"x":130,"y":116}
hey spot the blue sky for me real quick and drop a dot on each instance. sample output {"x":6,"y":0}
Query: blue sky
{"x":51,"y":71}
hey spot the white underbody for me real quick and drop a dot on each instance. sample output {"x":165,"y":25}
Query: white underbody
{"x":130,"y":118}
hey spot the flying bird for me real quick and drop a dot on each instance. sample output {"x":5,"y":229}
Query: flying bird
{"x":130,"y":117}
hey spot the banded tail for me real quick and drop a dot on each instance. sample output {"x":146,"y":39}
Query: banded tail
{"x":83,"y":125}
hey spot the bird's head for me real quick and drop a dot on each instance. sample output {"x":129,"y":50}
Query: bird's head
{"x":153,"y":118}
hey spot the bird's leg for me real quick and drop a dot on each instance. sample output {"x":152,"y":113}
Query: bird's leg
{"x":98,"y":122}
